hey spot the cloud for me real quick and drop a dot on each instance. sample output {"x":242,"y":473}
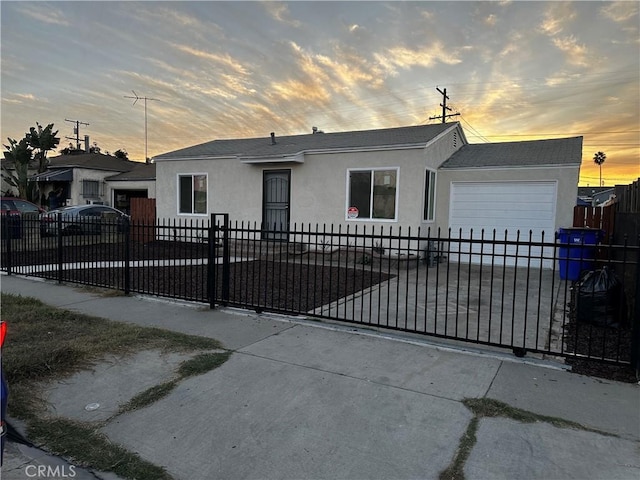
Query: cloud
{"x":491,"y":20}
{"x":620,"y":11}
{"x":407,"y":58}
{"x":19,"y":98}
{"x":37,"y":11}
{"x":280,"y":12}
{"x":576,"y":53}
{"x":555,"y":18}
{"x":354,"y":27}
{"x":224,"y":60}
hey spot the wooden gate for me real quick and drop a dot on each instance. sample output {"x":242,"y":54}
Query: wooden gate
{"x":143,"y":219}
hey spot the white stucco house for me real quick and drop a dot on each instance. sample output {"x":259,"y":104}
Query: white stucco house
{"x":97,"y":179}
{"x":421,"y":176}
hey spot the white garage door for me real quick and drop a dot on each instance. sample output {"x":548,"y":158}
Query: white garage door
{"x":503,"y":206}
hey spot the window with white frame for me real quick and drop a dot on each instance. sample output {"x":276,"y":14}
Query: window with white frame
{"x":428,"y":214}
{"x":90,"y":188}
{"x":373,"y":193}
{"x":192,"y":194}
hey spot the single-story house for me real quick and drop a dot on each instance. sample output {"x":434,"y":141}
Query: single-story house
{"x":96,"y":178}
{"x":425,"y":176}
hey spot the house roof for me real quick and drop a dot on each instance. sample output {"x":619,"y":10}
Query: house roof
{"x":295,"y":144}
{"x":94,"y":161}
{"x":141,"y":171}
{"x":590,"y":191}
{"x":560,"y":151}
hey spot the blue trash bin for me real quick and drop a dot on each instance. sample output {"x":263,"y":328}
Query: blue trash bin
{"x":577,"y":251}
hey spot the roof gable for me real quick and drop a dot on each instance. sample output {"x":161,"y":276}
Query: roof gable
{"x":560,"y":151}
{"x":314,"y":142}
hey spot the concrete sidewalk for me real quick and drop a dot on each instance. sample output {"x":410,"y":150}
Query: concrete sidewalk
{"x":305,"y":399}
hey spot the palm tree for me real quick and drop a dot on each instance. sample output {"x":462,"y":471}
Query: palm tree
{"x":599,"y":159}
{"x":19,"y":155}
{"x":42,"y":140}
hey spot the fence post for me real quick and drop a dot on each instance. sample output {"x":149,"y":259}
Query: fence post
{"x":212,"y":271}
{"x":211,"y":263}
{"x":225,"y":261}
{"x":59,"y":232}
{"x":127,"y":256}
{"x":635,"y":328}
{"x":7,"y":227}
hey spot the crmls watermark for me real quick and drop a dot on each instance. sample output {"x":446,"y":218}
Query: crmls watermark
{"x":47,"y":471}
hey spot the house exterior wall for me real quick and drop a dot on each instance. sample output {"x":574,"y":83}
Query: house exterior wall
{"x":566,"y":178}
{"x":319,"y":190}
{"x":148,"y":185}
{"x":75,"y":191}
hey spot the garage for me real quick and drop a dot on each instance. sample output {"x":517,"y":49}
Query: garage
{"x":509,"y":206}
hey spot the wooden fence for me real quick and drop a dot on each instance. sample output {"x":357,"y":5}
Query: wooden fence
{"x":602,"y":218}
{"x":143,"y":211}
{"x":628,"y":197}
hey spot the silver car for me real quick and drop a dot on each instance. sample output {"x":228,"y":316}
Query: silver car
{"x":83,"y":219}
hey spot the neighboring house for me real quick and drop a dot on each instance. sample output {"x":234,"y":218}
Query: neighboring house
{"x":596,"y":196}
{"x":95,"y":178}
{"x":409,"y":177}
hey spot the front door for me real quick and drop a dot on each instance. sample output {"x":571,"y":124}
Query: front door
{"x":275,"y":204}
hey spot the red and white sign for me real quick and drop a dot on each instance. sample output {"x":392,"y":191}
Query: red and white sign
{"x":353,"y":212}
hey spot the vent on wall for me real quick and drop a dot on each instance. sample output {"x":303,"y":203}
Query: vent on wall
{"x":455,"y":139}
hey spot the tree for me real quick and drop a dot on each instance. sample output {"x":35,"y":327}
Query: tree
{"x":121,"y":153}
{"x":599,"y":159}
{"x":20,"y":155}
{"x":42,"y":140}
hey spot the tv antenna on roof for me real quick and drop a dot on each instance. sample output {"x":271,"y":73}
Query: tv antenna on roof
{"x":136,"y":98}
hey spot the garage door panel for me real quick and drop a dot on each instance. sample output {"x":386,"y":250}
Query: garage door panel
{"x":527,"y":207}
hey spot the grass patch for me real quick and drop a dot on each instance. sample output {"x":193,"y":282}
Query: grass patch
{"x":488,"y":407}
{"x":197,"y":365}
{"x":87,"y":447}
{"x":202,"y":364}
{"x":45,"y":344}
{"x":455,"y":471}
{"x":149,"y":396}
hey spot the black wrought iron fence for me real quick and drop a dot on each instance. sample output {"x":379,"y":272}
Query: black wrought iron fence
{"x":519,"y":291}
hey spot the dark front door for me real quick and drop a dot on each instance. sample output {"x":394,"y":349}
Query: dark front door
{"x":275,"y":204}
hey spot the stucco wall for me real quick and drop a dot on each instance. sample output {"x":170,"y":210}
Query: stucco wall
{"x":148,"y":185}
{"x":318,"y":186}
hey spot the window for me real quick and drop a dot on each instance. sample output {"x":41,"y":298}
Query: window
{"x":192,"y":194}
{"x":429,"y":196}
{"x":373,"y":193}
{"x":90,"y":188}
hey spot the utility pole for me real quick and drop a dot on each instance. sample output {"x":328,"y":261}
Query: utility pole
{"x":444,"y":115}
{"x":76,"y":130}
{"x":136,"y":98}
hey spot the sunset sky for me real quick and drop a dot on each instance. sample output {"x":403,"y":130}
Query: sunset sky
{"x":513,"y":70}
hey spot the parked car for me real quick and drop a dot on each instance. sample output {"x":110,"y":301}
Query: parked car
{"x":12,"y":206}
{"x":4,"y":394}
{"x":18,"y":215}
{"x":82,"y":219}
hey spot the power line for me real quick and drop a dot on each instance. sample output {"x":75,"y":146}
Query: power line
{"x":444,"y":115}
{"x":76,"y":130}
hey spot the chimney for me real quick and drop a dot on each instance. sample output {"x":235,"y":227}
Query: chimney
{"x":86,"y":144}
{"x":314,"y":129}
{"x":273,"y":138}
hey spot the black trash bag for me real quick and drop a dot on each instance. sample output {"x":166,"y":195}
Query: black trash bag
{"x":601,"y":299}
